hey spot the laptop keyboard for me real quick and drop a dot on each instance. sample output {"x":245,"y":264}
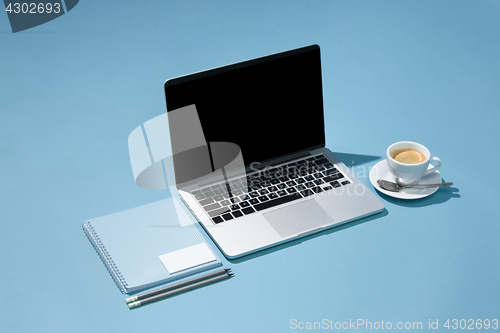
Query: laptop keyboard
{"x":269,"y":188}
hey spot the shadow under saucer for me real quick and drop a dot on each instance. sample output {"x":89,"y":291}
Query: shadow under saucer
{"x":442,"y":195}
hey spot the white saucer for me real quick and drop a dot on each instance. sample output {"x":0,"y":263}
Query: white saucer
{"x":381,"y":171}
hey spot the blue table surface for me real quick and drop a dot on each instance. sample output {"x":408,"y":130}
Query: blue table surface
{"x":72,"y":90}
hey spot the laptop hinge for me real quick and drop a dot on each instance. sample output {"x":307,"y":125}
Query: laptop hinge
{"x":257,"y":166}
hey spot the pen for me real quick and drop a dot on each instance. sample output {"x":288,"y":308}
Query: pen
{"x":179,"y":290}
{"x":176,"y":285}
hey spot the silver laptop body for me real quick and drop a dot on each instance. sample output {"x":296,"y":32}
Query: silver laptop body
{"x":268,"y":112}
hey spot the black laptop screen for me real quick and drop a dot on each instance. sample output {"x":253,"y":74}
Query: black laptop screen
{"x":270,"y":106}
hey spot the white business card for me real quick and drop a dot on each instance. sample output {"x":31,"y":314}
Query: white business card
{"x":188,"y":257}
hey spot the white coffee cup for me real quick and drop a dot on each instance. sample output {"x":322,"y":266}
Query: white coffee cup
{"x":410,"y":174}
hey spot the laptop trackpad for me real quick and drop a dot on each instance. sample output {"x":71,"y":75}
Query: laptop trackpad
{"x":298,"y":218}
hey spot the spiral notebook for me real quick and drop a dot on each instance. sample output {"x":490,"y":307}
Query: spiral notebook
{"x":150,"y":245}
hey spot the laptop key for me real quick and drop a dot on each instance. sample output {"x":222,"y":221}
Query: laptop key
{"x":256,"y":201}
{"x":321,"y":167}
{"x":266,"y":176}
{"x":237,"y":213}
{"x":277,"y":201}
{"x":273,"y":196}
{"x":225,"y":203}
{"x":333,"y":177}
{"x":281,"y":186}
{"x":265,"y":184}
{"x":217,"y":219}
{"x":209,"y":194}
{"x":219,"y":191}
{"x":227,"y":217}
{"x":248,"y":210}
{"x":316,"y":189}
{"x":255,"y":186}
{"x":218,"y":211}
{"x":212,"y":206}
{"x":238,"y":185}
{"x":234,"y":199}
{"x":307,"y":192}
{"x":335,"y":184}
{"x":207,"y":201}
{"x":263,"y":198}
{"x":330,"y":171}
{"x":321,"y":161}
{"x":244,"y":197}
{"x":302,"y":173}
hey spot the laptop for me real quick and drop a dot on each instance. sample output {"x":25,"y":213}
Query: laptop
{"x":265,"y":116}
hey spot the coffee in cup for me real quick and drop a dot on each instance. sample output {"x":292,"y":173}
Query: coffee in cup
{"x":408,"y":156}
{"x":409,"y":161}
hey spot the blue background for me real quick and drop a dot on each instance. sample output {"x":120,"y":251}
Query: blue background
{"x":72,"y":90}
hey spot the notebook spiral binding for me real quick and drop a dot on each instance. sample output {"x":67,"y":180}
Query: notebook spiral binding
{"x":105,"y":257}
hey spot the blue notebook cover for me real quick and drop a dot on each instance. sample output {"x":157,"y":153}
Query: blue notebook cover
{"x":130,"y":243}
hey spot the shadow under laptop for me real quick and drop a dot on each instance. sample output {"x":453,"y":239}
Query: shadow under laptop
{"x":359,"y":165}
{"x":310,"y":237}
{"x":351,"y":160}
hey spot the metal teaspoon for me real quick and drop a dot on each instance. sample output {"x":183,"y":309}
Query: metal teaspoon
{"x":393,"y":187}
